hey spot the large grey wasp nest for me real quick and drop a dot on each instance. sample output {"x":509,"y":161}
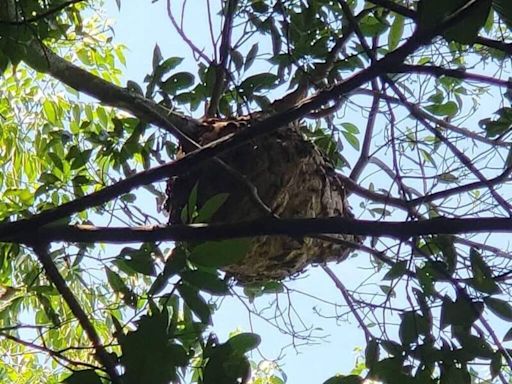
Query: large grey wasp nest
{"x":292,"y":177}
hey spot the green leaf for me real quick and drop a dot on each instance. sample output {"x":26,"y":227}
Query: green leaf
{"x":504,"y":9}
{"x":475,"y":346}
{"x":482,"y":275}
{"x":499,"y":307}
{"x":450,"y":108}
{"x":496,"y":364}
{"x":447,"y":177}
{"x":244,"y":342}
{"x":56,"y":160}
{"x":455,"y":375}
{"x":206,"y":281}
{"x":259,"y":6}
{"x":237,"y":59}
{"x":259,"y":82}
{"x":81,"y":159}
{"x":175,"y":263}
{"x":350,"y":128}
{"x":508,"y":335}
{"x":178,"y":81}
{"x":157,"y":57}
{"x":195,"y":302}
{"x":169,"y":64}
{"x":49,"y":111}
{"x":148,"y":355}
{"x":115,"y":281}
{"x":88,"y":376}
{"x":392,"y":347}
{"x":462,"y":313}
{"x":371,"y":353}
{"x":352,"y":140}
{"x":447,"y":247}
{"x":411,"y":327}
{"x":139,"y":260}
{"x":221,"y":253}
{"x":433,"y":12}
{"x":372,"y":26}
{"x":210,"y":207}
{"x":396,"y":271}
{"x":48,"y":178}
{"x":350,"y":379}
{"x":396,"y":32}
{"x":251,"y":56}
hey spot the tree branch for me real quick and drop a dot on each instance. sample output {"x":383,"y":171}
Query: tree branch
{"x":458,"y":153}
{"x":101,"y":354}
{"x":455,"y":73}
{"x":42,"y":15}
{"x":57,"y":355}
{"x":411,"y":14}
{"x":224,"y":50}
{"x":442,"y":123}
{"x":42,"y":59}
{"x":401,"y":230}
{"x":348,"y":299}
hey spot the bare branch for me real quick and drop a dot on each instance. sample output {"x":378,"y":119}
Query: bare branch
{"x":55,"y":354}
{"x":182,"y":34}
{"x":348,"y":299}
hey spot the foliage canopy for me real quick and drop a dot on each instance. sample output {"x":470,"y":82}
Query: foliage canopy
{"x":410,"y":102}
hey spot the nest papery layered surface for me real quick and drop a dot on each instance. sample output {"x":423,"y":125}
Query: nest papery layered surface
{"x":292,"y":177}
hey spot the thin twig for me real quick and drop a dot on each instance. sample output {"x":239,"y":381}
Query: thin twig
{"x":185,"y":38}
{"x":50,"y":352}
{"x":348,"y":299}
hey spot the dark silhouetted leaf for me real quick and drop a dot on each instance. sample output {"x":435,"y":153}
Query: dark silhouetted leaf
{"x":87,"y":376}
{"x":195,"y":302}
{"x":219,"y":253}
{"x":499,"y":307}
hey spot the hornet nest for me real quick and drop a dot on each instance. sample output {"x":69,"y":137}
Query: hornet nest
{"x":293,"y":178}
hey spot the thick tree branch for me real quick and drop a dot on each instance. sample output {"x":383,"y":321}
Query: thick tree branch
{"x":42,"y":59}
{"x":101,"y":354}
{"x":401,"y":230}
